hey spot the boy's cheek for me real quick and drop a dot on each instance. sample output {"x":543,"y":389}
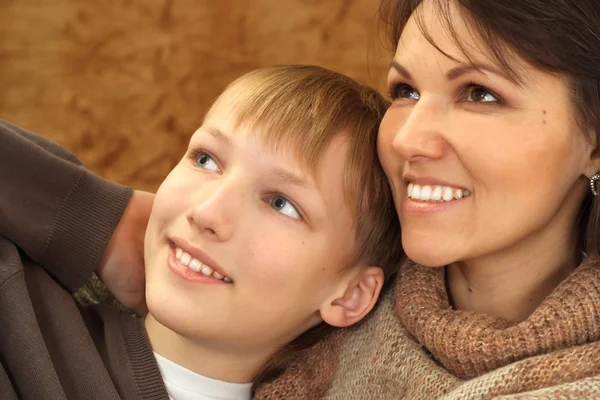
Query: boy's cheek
{"x":174,"y":193}
{"x":170,"y":203}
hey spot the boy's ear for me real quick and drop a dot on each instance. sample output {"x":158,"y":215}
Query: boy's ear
{"x":356,"y":300}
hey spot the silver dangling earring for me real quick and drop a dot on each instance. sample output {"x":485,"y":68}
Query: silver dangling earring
{"x":593,"y":181}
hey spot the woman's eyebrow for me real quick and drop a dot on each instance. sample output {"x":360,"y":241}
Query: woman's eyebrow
{"x":400,"y":69}
{"x":460,"y":70}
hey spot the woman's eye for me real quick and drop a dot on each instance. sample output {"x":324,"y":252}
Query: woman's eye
{"x":404,"y":91}
{"x":284,"y":206}
{"x":479,"y":94}
{"x":205,"y":161}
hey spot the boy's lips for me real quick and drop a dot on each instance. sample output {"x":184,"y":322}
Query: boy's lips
{"x":197,"y":260}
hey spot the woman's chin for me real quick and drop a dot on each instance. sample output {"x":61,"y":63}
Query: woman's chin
{"x":429,"y":262}
{"x":428,"y":256}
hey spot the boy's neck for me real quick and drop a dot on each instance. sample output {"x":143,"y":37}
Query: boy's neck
{"x":209,"y":362}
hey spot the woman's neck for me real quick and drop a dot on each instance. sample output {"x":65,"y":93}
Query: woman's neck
{"x":215,"y":362}
{"x":511,"y":284}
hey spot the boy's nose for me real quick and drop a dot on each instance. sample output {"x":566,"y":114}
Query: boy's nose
{"x":215,"y":214}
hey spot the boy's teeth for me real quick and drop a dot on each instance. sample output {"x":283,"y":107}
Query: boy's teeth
{"x":435,"y":193}
{"x":197,"y":265}
{"x":217,"y":275}
{"x":185,"y":259}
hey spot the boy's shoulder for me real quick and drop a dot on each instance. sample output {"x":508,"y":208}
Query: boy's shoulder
{"x":69,"y":350}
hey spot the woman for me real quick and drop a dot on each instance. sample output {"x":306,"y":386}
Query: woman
{"x":490,"y":149}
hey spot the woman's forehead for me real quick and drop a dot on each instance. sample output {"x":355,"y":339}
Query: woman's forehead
{"x":454,"y":37}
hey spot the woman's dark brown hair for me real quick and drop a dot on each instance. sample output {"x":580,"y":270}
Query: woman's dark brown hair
{"x":561,"y":37}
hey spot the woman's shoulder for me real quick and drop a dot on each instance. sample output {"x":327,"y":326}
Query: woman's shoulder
{"x":381,"y":359}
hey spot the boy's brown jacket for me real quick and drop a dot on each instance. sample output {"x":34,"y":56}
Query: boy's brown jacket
{"x":56,"y":219}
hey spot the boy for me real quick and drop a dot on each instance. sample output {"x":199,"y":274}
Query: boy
{"x":277,"y":223}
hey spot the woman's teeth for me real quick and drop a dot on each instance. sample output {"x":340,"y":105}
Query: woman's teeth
{"x":435,"y":193}
{"x":194,"y":264}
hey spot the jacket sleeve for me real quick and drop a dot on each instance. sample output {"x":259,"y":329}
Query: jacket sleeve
{"x":60,"y":214}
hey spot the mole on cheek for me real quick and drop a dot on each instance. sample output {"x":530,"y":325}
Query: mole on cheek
{"x":544,"y":118}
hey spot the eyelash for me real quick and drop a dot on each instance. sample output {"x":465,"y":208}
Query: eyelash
{"x":194,"y":154}
{"x":396,"y":87}
{"x":271,"y":196}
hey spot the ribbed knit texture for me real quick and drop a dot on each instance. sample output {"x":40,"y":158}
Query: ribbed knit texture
{"x":414,"y":346}
{"x":471,"y":344}
{"x":60,"y":214}
{"x":55,"y":221}
{"x":141,"y":359}
{"x":89,"y":204}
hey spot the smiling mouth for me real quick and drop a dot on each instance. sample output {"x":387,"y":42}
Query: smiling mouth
{"x":185,"y":259}
{"x":435,"y":193}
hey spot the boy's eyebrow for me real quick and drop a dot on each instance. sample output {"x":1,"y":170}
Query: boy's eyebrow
{"x":281,"y":173}
{"x":292,"y":178}
{"x":217,"y":134}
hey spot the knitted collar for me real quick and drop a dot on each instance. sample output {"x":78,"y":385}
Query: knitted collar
{"x":469,"y":344}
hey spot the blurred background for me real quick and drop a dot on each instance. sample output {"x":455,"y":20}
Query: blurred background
{"x":124,"y":83}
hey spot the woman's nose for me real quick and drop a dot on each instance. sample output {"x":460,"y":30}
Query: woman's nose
{"x":419,"y":133}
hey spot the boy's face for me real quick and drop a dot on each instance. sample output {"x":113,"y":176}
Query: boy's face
{"x":267,"y":238}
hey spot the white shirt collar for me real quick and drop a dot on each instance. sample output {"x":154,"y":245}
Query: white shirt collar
{"x":183,"y":384}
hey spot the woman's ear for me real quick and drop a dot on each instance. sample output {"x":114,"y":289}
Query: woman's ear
{"x":355,"y":299}
{"x":593,"y":159}
{"x":592,"y":167}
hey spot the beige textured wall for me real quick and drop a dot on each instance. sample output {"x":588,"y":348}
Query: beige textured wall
{"x":123,"y":83}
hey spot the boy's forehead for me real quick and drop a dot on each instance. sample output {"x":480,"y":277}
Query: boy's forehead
{"x":224,"y":103}
{"x":299,"y":141}
{"x":277,"y":133}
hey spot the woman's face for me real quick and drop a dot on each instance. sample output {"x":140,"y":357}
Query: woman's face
{"x":481,"y":167}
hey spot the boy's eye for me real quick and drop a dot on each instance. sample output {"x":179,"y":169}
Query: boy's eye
{"x":403,"y":91}
{"x":205,"y":161}
{"x":479,"y":94}
{"x":284,"y":206}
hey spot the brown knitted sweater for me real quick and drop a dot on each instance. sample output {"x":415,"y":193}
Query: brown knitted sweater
{"x":415,"y":346}
{"x":56,"y":219}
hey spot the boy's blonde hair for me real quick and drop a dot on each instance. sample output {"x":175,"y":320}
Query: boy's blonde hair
{"x":300,"y":109}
